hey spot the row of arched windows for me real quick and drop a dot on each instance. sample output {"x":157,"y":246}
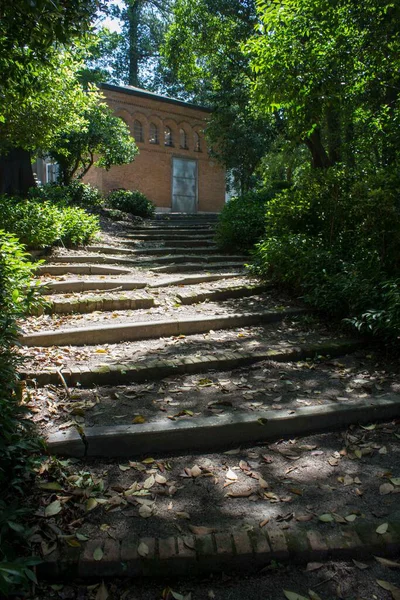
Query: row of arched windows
{"x":154,"y":136}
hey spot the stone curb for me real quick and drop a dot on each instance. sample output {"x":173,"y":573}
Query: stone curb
{"x":81,"y":269}
{"x":214,"y":432}
{"x":109,"y":334}
{"x":223,"y":294}
{"x":188,"y":267}
{"x":239,"y":551}
{"x":115,"y":374}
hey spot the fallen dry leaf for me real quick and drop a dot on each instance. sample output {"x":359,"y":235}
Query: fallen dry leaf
{"x":382,"y":528}
{"x":199,"y":530}
{"x":387,"y":563}
{"x":143,"y":549}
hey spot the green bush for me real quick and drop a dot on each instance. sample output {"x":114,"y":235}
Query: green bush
{"x":132,"y":202}
{"x":39,"y":224}
{"x":78,"y":227}
{"x":334,"y":239}
{"x":17,"y":441}
{"x":36,"y":224}
{"x":76,"y":193}
{"x":241,"y":223}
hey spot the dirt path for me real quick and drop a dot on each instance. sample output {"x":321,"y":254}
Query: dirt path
{"x":353,"y":475}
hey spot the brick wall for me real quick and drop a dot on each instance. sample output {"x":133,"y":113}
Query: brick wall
{"x":151,"y":171}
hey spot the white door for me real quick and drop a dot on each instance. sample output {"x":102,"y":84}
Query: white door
{"x":184,"y":185}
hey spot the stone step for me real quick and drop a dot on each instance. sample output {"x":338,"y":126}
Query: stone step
{"x":232,"y":551}
{"x":178,"y":229}
{"x":90,"y":304}
{"x":114,"y":334}
{"x":156,"y":370}
{"x":221,"y":294}
{"x":175,"y":244}
{"x":189,"y":217}
{"x":80,"y":269}
{"x":80,"y":285}
{"x":137,"y":262}
{"x":154,"y":237}
{"x":193,"y":279}
{"x":189,"y":267}
{"x":150,"y":251}
{"x":222,"y":431}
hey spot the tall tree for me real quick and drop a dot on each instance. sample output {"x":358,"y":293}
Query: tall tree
{"x":332,"y":68}
{"x":204,"y":50}
{"x":29,"y":34}
{"x":135,"y":59}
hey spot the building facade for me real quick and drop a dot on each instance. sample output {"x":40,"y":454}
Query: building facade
{"x":173,"y":167}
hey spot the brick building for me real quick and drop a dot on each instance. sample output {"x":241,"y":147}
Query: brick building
{"x":173,"y":167}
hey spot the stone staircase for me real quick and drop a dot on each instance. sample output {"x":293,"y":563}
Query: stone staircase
{"x":152,"y":343}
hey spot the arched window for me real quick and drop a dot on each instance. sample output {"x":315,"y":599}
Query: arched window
{"x":154,"y":134}
{"x":168,"y":141}
{"x":197,"y":144}
{"x":183,"y":139}
{"x":138,"y":131}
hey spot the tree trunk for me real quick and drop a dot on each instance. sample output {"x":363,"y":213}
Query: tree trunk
{"x":134,"y":20}
{"x":319,"y":157}
{"x":16,"y":175}
{"x":333,"y":123}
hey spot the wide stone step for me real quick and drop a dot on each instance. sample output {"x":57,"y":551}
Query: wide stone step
{"x":243,"y":291}
{"x":189,"y":267}
{"x":80,"y":285}
{"x":155,"y":370}
{"x":84,"y":304}
{"x":154,"y":237}
{"x":114,"y":334}
{"x":212,"y":433}
{"x":150,"y":251}
{"x":184,"y":230}
{"x":175,"y":244}
{"x":176,"y":259}
{"x":80,"y":269}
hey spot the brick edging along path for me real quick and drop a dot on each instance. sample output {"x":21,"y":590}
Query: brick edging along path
{"x":215,"y":552}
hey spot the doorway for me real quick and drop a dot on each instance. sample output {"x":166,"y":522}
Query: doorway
{"x":184,"y":185}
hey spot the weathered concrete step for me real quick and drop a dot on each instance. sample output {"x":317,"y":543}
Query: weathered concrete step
{"x":80,"y":269}
{"x":150,"y":251}
{"x":176,"y":243}
{"x":91,"y":304}
{"x":138,"y":261}
{"x":155,"y":370}
{"x":189,"y":267}
{"x":177,"y":229}
{"x":114,"y":334}
{"x":154,"y":237}
{"x":242,"y":291}
{"x":211,"y":433}
{"x":230,"y":551}
{"x":79,"y":285}
{"x":193,"y":279}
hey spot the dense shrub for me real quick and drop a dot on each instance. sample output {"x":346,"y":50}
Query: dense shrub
{"x":76,"y":193}
{"x":132,"y":202}
{"x":335,"y":239}
{"x":17,"y":442}
{"x":39,"y":224}
{"x":78,"y":227}
{"x":241,"y":223}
